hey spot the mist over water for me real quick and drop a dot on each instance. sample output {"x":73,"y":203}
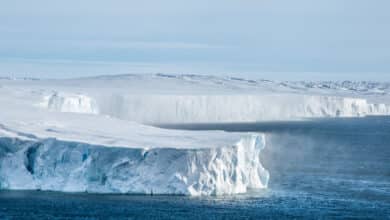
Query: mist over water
{"x":338,"y":159}
{"x":320,"y":168}
{"x":340,"y":146}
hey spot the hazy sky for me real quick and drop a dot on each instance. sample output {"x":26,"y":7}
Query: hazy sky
{"x":283,"y":39}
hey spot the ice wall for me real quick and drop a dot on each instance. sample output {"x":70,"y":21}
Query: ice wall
{"x":51,"y":164}
{"x":156,"y":109}
{"x":232,"y":108}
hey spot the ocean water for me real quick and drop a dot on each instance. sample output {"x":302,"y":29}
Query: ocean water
{"x":320,"y":169}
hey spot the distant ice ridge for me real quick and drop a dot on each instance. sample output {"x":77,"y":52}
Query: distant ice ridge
{"x":156,"y":109}
{"x":51,"y":164}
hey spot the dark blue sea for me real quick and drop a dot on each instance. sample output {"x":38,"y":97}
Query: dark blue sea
{"x":320,"y":169}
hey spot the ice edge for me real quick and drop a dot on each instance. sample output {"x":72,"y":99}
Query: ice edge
{"x":56,"y":165}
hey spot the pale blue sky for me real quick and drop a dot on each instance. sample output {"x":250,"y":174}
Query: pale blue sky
{"x":282,"y":39}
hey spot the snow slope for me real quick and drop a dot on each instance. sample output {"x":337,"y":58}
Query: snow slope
{"x":85,"y":134}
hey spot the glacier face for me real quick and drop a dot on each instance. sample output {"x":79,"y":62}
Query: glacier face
{"x":51,"y":164}
{"x":155,"y":109}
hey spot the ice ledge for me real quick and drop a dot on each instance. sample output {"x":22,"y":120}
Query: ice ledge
{"x":51,"y":164}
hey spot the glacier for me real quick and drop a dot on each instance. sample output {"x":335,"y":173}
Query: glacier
{"x":98,"y":134}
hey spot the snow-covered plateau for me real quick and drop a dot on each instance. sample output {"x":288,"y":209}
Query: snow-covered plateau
{"x":97,"y":134}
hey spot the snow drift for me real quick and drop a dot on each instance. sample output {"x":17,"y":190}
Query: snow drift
{"x":51,"y":164}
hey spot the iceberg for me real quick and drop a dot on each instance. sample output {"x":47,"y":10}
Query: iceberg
{"x":47,"y":149}
{"x":51,"y":164}
{"x":97,"y":134}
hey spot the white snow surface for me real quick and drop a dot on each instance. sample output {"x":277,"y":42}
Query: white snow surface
{"x":91,"y":134}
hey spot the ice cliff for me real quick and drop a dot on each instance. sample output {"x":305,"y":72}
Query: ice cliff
{"x":155,"y":109}
{"x":51,"y":164}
